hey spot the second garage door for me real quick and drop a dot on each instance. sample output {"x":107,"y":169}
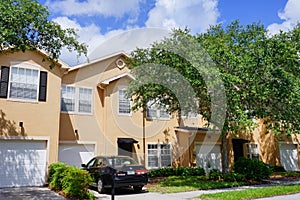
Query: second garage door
{"x":75,"y":154}
{"x":22,"y":163}
{"x":209,"y":156}
{"x":289,"y":156}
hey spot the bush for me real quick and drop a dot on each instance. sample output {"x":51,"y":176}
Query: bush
{"x":73,"y":181}
{"x":76,"y":182}
{"x":234,"y":177}
{"x":253,"y":169}
{"x":56,"y":173}
{"x":215,"y":174}
{"x":277,"y":168}
{"x":179,"y":171}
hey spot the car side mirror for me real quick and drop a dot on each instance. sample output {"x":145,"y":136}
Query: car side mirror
{"x":83,"y":165}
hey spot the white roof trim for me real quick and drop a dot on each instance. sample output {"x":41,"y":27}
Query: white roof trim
{"x":99,"y":60}
{"x":108,"y":81}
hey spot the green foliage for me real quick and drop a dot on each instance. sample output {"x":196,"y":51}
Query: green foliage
{"x":24,"y":25}
{"x":179,"y":171}
{"x":234,"y":177}
{"x":56,"y":174}
{"x":253,"y":193}
{"x":73,"y":181}
{"x":254,"y":67}
{"x":76,"y":182}
{"x":215,"y":174}
{"x":277,"y":168}
{"x":253,"y":169}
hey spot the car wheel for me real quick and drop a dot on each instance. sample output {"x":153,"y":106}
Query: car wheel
{"x":100,"y":186}
{"x":138,"y":188}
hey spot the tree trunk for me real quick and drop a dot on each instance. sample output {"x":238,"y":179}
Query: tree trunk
{"x":225,"y":162}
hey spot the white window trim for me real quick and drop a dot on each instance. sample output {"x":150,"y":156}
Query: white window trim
{"x":158,"y":154}
{"x":189,"y":115}
{"x":24,"y":65}
{"x":158,"y":113}
{"x":251,"y":153}
{"x":76,"y":109}
{"x":122,"y":87}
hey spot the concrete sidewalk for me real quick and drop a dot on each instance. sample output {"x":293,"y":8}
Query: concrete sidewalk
{"x":189,"y":195}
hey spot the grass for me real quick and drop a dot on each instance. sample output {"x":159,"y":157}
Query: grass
{"x":253,"y":193}
{"x":173,"y":184}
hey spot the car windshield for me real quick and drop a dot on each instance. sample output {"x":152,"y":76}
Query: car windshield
{"x":123,"y":161}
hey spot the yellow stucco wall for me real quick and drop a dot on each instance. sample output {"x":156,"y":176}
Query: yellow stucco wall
{"x":40,"y":119}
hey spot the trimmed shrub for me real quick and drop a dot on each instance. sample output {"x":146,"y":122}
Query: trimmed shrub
{"x":76,"y":182}
{"x":73,"y":181}
{"x":234,"y":177}
{"x":253,"y":169}
{"x":56,"y":173}
{"x":179,"y":171}
{"x":215,"y":174}
{"x":277,"y":169}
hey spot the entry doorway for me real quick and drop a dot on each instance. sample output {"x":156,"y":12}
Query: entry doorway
{"x":125,"y":146}
{"x":238,"y":148}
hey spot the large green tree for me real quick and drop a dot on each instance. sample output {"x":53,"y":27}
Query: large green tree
{"x":24,"y":25}
{"x":259,"y":75}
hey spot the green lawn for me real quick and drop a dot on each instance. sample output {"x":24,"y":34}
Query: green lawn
{"x":253,"y":193}
{"x":174,"y":184}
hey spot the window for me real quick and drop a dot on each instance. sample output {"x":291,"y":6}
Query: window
{"x":159,"y":155}
{"x":23,"y":81}
{"x":153,"y":112}
{"x":76,"y":99}
{"x":252,"y":150}
{"x":124,"y":102}
{"x":188,"y":115}
{"x":68,"y":98}
{"x":85,"y":100}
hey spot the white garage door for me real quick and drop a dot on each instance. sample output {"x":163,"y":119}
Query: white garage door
{"x":75,"y":154}
{"x":22,"y":163}
{"x":289,"y":156}
{"x":209,"y":156}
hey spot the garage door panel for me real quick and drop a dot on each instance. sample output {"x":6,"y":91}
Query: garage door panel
{"x":209,"y":157}
{"x":289,"y":157}
{"x":76,"y":154}
{"x":21,"y":164}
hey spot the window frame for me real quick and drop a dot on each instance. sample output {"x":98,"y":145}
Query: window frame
{"x":251,"y":152}
{"x":23,"y":65}
{"x":123,"y":88}
{"x":155,"y":108}
{"x":159,"y":154}
{"x":77,"y":100}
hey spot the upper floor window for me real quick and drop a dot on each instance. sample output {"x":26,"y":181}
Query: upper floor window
{"x":188,"y":114}
{"x":124,"y":102}
{"x":76,"y":99}
{"x":23,"y":81}
{"x":155,"y":112}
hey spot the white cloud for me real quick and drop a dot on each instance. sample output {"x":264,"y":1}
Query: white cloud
{"x":89,"y":35}
{"x":107,"y":8}
{"x":197,"y":15}
{"x":290,"y":16}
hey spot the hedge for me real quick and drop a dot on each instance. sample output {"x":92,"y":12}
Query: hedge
{"x":72,"y":181}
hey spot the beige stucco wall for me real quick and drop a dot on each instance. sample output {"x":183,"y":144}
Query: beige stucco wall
{"x":268,"y":144}
{"x":40,"y":119}
{"x":105,"y":124}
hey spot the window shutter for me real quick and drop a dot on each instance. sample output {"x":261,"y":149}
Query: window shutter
{"x":4,"y":81}
{"x":43,"y":86}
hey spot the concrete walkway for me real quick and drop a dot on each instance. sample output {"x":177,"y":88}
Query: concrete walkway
{"x":193,"y":194}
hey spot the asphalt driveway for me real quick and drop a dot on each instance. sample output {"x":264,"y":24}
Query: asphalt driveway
{"x":29,"y":193}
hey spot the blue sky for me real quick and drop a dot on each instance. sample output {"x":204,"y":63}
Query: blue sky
{"x":98,"y":20}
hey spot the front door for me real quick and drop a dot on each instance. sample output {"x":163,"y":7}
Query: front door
{"x":238,"y":148}
{"x":125,"y":149}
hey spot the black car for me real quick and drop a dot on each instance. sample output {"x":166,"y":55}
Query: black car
{"x":127,"y":172}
